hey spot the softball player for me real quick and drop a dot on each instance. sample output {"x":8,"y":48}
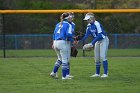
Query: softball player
{"x":70,"y":20}
{"x":62,"y":34}
{"x":101,"y":41}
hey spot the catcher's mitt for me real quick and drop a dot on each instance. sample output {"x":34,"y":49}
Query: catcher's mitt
{"x":87,"y":47}
{"x":74,"y":51}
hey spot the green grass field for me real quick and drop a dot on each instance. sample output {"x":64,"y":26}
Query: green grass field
{"x":51,"y":52}
{"x":31,"y":75}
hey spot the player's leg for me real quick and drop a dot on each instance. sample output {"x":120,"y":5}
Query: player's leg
{"x":97,"y":59}
{"x":55,"y":69}
{"x":69,"y":55}
{"x":64,"y":55}
{"x":103,"y":52}
{"x":57,"y":63}
{"x":69,"y":51}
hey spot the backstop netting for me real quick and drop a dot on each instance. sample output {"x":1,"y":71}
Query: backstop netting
{"x":30,"y":35}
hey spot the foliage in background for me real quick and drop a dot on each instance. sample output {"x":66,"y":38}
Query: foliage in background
{"x":45,"y":23}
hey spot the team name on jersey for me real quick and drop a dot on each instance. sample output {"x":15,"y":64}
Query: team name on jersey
{"x":93,"y":30}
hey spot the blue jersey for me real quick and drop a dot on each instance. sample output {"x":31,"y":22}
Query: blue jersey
{"x":96,"y":31}
{"x":63,"y":31}
{"x":73,"y":27}
{"x":73,"y":33}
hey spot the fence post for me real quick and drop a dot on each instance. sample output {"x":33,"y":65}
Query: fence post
{"x":16,"y":46}
{"x":3,"y":32}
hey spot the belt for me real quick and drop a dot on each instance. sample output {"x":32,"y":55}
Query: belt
{"x":60,"y":39}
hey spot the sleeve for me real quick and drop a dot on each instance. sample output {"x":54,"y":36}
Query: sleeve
{"x":98,"y":26}
{"x":69,"y":33}
{"x":100,"y":36}
{"x":73,"y":29}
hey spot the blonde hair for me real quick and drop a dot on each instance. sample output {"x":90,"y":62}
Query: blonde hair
{"x":63,"y":16}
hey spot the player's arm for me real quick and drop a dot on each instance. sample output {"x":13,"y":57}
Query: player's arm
{"x":69,"y":34}
{"x":86,"y":35}
{"x":100,"y":35}
{"x":98,"y":38}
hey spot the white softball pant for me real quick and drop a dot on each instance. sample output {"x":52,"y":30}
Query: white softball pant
{"x":69,"y":50}
{"x":100,"y":50}
{"x":61,"y":49}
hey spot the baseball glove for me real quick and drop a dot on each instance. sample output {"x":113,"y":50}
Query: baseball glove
{"x":74,"y":51}
{"x":78,"y":36}
{"x":88,"y":47}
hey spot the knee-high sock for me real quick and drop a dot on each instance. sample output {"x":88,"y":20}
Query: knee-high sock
{"x":64,"y":69}
{"x":57,"y":65}
{"x":98,"y":64}
{"x":68,"y":70}
{"x":105,"y":66}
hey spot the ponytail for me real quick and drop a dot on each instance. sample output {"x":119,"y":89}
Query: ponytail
{"x":64,"y":16}
{"x":61,"y":20}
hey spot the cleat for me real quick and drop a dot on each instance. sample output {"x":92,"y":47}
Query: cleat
{"x":65,"y":78}
{"x":70,"y":76}
{"x":54,"y":75}
{"x":104,"y":76}
{"x":95,"y":75}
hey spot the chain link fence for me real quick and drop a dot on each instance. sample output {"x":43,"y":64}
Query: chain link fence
{"x":39,"y":45}
{"x":34,"y":31}
{"x":44,"y":41}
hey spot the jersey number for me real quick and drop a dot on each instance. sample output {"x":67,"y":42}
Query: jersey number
{"x":60,"y":27}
